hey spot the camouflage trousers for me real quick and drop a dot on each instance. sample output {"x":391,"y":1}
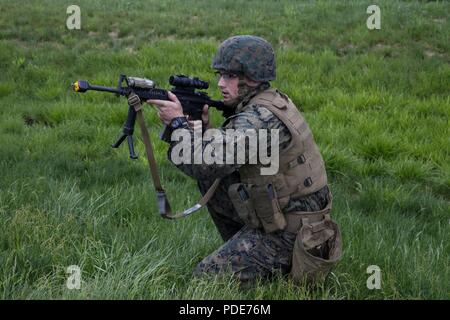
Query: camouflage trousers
{"x":251,"y":253}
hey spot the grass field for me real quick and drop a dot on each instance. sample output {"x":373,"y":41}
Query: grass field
{"x":377,"y":101}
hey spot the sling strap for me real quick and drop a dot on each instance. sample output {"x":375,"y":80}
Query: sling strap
{"x":163,"y":203}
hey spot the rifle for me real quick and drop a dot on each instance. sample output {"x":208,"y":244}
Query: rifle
{"x":192,"y":102}
{"x":183,"y":87}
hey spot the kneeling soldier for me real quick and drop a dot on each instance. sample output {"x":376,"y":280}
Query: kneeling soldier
{"x":270,"y":223}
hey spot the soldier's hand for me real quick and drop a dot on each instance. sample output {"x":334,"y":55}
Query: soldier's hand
{"x":168,"y":109}
{"x":205,"y":116}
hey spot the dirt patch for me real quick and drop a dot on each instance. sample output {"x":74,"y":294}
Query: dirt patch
{"x":388,"y":50}
{"x":285,"y":43}
{"x":346,"y":49}
{"x":114,"y":35}
{"x":381,"y":46}
{"x":440,"y":20}
{"x":430,"y":53}
{"x":30,"y":121}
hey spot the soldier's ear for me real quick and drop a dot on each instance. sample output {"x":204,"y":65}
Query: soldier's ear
{"x":250,"y":82}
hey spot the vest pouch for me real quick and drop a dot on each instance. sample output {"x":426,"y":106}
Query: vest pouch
{"x":317,"y":248}
{"x":267,"y":208}
{"x":240,"y":197}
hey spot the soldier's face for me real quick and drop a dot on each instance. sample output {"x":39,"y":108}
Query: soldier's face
{"x":228,"y":85}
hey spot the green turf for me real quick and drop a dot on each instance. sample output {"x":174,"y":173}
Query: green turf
{"x":377,"y":101}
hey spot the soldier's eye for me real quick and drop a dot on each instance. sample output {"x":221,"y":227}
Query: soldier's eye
{"x":226,"y":75}
{"x":232,"y":75}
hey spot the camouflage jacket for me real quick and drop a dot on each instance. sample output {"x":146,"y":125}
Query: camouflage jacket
{"x":220,"y":206}
{"x":255,"y":117}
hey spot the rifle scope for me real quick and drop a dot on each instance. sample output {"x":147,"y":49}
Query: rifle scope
{"x":184,"y":81}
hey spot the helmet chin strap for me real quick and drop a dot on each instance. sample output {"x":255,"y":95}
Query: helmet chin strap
{"x":243,"y":89}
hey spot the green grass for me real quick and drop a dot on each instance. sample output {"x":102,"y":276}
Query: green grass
{"x":377,"y":101}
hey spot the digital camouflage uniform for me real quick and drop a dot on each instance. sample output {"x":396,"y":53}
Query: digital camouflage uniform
{"x":249,"y":253}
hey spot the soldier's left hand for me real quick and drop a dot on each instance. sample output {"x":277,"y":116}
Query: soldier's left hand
{"x":168,"y":109}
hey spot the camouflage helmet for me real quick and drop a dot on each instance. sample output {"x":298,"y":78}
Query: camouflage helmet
{"x":248,"y":55}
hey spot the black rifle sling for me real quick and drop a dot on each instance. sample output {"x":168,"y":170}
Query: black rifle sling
{"x":163,"y":204}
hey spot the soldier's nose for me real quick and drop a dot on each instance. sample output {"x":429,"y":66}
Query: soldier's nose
{"x":221,"y":83}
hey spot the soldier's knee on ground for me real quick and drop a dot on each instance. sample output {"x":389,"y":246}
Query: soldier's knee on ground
{"x":249,"y":255}
{"x":215,"y":269}
{"x":206,"y":268}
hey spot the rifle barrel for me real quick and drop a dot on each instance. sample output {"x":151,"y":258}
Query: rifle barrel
{"x":102,"y":88}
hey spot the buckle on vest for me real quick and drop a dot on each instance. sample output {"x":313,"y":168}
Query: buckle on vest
{"x":301,"y":159}
{"x":243,"y":194}
{"x":308,"y":182}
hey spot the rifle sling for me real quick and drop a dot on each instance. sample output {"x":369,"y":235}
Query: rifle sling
{"x":163,"y":203}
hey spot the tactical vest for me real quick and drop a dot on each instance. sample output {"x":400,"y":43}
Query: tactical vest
{"x":259,"y":200}
{"x":301,"y":169}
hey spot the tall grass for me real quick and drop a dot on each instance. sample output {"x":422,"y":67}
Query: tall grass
{"x":377,"y":102}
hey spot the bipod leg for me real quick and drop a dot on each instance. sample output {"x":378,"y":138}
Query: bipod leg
{"x":127,"y":132}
